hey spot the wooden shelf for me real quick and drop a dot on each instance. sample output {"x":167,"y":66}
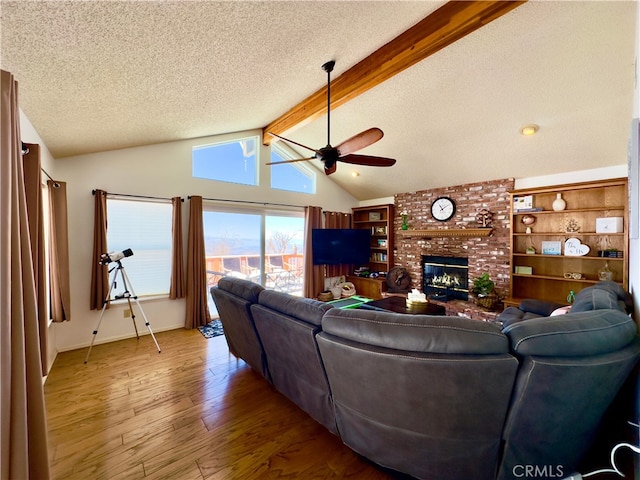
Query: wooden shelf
{"x":586,"y":202}
{"x":573,"y":210}
{"x":568,"y":257}
{"x":569,"y":234}
{"x":449,"y":232}
{"x":379,"y":220}
{"x":560,"y":279}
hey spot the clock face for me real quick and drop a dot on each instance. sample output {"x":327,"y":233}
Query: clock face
{"x":443,"y":208}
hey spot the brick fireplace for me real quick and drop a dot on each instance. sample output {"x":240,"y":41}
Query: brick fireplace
{"x":486,"y":254}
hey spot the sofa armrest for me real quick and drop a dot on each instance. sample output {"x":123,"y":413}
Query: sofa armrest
{"x":573,"y":335}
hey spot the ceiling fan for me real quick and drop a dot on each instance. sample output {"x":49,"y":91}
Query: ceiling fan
{"x":343,"y":152}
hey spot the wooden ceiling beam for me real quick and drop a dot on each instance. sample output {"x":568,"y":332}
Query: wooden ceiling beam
{"x":449,"y":23}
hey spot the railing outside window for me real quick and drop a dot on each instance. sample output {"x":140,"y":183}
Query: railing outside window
{"x":282,"y":271}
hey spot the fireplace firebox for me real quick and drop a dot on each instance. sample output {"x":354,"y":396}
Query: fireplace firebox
{"x":445,"y":278}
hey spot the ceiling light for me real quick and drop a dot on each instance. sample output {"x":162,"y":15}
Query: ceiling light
{"x":354,"y":173}
{"x":529,"y":129}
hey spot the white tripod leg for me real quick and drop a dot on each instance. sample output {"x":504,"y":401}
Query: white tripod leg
{"x":127,"y":284}
{"x":104,"y":306}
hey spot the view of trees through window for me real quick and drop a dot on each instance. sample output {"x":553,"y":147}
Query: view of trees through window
{"x":262,"y":247}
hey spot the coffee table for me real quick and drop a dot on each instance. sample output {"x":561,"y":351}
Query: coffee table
{"x":398,"y":304}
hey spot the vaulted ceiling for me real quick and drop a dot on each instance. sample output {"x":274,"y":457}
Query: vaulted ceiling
{"x":99,"y":76}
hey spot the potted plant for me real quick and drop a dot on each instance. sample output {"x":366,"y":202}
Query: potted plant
{"x":483,"y":290}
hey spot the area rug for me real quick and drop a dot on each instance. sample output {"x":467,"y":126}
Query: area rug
{"x":212,"y":329}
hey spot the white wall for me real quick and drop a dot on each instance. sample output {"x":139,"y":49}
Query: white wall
{"x":618,"y":171}
{"x":162,"y":170}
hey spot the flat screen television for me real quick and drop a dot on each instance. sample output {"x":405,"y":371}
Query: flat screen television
{"x":340,"y":246}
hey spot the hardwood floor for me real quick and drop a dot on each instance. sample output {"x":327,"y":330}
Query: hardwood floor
{"x":191,"y":412}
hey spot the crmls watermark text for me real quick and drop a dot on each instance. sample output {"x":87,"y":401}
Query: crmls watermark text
{"x":538,"y":471}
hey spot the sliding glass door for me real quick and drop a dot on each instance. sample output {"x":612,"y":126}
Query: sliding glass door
{"x":261,"y":246}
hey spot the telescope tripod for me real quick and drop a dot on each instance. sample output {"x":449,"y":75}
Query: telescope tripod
{"x":125,"y":294}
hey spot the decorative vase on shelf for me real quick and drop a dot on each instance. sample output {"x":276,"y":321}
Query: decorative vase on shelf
{"x":559,"y":203}
{"x":404,"y":222}
{"x":604,"y":273}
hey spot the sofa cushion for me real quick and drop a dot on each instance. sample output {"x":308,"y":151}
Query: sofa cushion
{"x":241,"y":288}
{"x":574,"y":334}
{"x":306,"y":309}
{"x":606,"y":294}
{"x":416,"y":333}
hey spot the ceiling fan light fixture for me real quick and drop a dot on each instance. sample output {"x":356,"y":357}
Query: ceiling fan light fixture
{"x":530,"y":129}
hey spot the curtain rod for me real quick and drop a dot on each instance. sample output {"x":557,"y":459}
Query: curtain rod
{"x":55,"y":184}
{"x":93,"y":192}
{"x":248,"y":201}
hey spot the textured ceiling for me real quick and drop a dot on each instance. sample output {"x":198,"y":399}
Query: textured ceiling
{"x":106,"y":75}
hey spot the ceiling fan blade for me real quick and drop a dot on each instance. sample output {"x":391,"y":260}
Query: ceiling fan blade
{"x":359,"y":141}
{"x":331,"y":169}
{"x":295,"y":143}
{"x":291,"y":161}
{"x":368,"y":160}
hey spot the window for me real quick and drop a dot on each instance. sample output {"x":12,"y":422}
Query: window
{"x":234,"y":162}
{"x":294,"y":177}
{"x":264,"y":247}
{"x":144,"y":226}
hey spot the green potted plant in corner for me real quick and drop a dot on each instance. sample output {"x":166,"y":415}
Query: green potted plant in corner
{"x":483,"y":291}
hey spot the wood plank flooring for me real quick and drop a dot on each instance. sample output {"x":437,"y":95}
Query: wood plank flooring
{"x":191,"y":412}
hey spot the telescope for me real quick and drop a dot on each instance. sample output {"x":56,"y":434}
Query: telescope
{"x":107,"y":258}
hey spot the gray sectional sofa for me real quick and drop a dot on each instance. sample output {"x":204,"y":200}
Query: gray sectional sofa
{"x":439,"y":397}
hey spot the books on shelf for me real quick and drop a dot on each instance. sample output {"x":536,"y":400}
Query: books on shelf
{"x":527,"y":210}
{"x":378,"y":257}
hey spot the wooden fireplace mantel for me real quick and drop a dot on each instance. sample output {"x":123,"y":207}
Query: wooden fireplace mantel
{"x":448,"y":232}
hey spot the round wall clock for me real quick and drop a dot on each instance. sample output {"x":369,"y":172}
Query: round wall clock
{"x":443,"y":208}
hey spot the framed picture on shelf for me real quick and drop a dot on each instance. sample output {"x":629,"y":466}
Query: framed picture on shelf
{"x":382,"y":242}
{"x":379,"y":230}
{"x":375,"y":216}
{"x":551,"y":248}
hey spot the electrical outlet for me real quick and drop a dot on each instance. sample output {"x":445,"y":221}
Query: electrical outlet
{"x":127,"y":313}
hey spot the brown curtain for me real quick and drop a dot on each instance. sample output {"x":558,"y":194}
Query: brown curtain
{"x":337,"y":220}
{"x":99,"y":273}
{"x":313,"y":274}
{"x":23,"y":425}
{"x":197,"y":307}
{"x":177,"y":289}
{"x":59,"y":284}
{"x":33,"y":192}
